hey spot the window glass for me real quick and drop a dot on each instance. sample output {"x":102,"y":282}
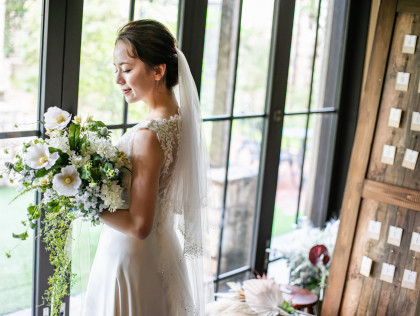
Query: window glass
{"x":302,"y":55}
{"x":253,"y":59}
{"x":166,"y":12}
{"x":241,"y":197}
{"x":316,"y":165}
{"x":218,"y":62}
{"x":16,"y":271}
{"x":289,"y":173}
{"x":20,"y":31}
{"x":98,"y":94}
{"x":217,"y":145}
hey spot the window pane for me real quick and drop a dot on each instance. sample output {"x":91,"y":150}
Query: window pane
{"x":321,"y":59}
{"x":218,"y":60}
{"x":166,"y":12}
{"x":316,"y":167}
{"x":289,"y":174}
{"x":301,"y":55}
{"x":223,"y":287}
{"x":98,"y":93}
{"x":216,"y":134}
{"x":254,"y":52}
{"x":242,"y":193}
{"x":20,"y":30}
{"x":15,"y":272}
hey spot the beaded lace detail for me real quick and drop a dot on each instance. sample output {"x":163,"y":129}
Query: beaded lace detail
{"x":168,"y":132}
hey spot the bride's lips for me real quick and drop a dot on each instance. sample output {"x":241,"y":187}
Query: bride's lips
{"x":125,"y":91}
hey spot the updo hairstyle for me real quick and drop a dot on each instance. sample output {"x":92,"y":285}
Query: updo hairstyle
{"x":153,"y":44}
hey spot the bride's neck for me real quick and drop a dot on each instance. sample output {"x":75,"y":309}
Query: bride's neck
{"x":162,"y":104}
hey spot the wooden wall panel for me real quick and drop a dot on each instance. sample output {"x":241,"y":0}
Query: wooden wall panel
{"x":377,"y":191}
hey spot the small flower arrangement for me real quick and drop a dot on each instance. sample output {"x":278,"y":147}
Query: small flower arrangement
{"x":79,"y":172}
{"x":309,"y":256}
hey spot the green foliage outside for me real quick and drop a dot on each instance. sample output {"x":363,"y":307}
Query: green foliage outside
{"x":282,"y":222}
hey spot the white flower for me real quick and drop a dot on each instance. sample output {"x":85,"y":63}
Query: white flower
{"x":263,"y":297}
{"x":38,"y":156}
{"x":59,"y":141}
{"x":56,"y":118}
{"x":111,"y":195}
{"x":67,"y":182}
{"x":78,"y":161}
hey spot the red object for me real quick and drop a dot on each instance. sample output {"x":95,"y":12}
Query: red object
{"x":316,"y":252}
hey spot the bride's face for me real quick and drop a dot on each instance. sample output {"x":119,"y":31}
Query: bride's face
{"x":135,"y":78}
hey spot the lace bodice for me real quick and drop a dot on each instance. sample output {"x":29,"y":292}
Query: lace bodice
{"x":168,"y":132}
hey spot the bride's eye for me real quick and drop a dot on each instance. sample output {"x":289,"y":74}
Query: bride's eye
{"x":127,"y":71}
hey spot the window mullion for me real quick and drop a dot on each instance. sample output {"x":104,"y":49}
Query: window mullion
{"x":275,"y":103}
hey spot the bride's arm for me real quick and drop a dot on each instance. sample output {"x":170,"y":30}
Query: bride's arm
{"x":147,"y":158}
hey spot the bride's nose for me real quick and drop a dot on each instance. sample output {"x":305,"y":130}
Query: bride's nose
{"x":118,"y":78}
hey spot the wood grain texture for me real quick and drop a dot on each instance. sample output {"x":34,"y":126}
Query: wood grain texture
{"x":388,"y":193}
{"x":360,"y":157}
{"x":409,"y":6}
{"x":392,"y":194}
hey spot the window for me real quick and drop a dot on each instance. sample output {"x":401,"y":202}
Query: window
{"x":308,"y":126}
{"x":234,"y":80}
{"x":247,"y":122}
{"x":20,"y":31}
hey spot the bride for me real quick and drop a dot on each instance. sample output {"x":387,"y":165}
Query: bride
{"x":150,"y":259}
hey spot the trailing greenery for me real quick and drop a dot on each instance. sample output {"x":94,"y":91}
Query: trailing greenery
{"x":56,"y":235}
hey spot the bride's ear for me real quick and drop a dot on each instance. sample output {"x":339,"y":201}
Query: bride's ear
{"x":159,"y":71}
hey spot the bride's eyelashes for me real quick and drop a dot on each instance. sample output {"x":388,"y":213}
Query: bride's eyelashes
{"x":124,"y":71}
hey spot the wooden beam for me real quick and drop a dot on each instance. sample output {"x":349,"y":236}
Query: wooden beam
{"x":409,"y":6}
{"x":369,"y":105}
{"x":391,"y":194}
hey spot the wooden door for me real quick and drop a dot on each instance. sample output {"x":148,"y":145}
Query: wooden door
{"x":386,"y":193}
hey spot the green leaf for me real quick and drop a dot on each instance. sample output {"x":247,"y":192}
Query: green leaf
{"x":22,"y":236}
{"x":40,"y":173}
{"x":83,"y":143}
{"x":96,"y":125}
{"x":33,"y":224}
{"x":85,"y":175}
{"x":96,"y":157}
{"x":31,"y":209}
{"x":53,"y":150}
{"x":8,"y":255}
{"x":74,"y":133}
{"x":77,"y":138}
{"x":108,"y":166}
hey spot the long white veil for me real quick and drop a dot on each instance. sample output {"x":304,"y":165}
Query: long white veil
{"x":190,"y":191}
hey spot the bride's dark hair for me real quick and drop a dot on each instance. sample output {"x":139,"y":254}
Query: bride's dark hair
{"x":153,"y":44}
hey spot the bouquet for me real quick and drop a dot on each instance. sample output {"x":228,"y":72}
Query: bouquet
{"x":79,"y":172}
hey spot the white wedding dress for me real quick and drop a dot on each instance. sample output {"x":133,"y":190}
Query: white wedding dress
{"x":132,"y":277}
